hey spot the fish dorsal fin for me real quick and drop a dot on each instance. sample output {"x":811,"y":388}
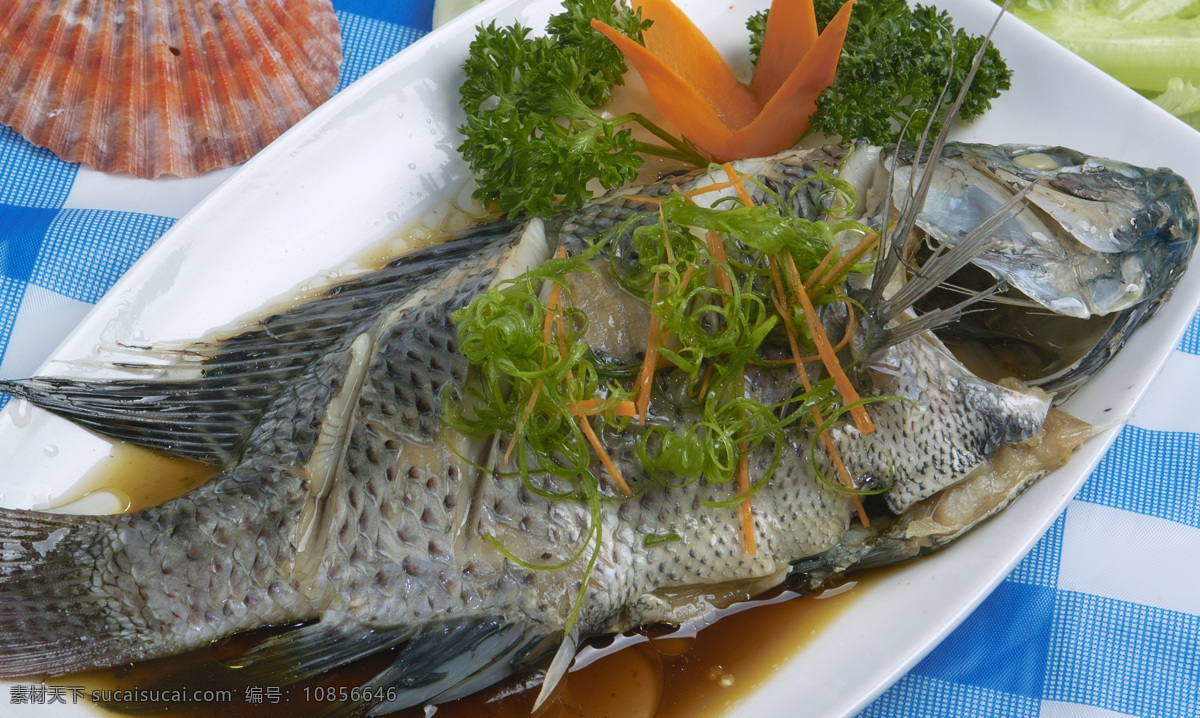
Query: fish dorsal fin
{"x":204,"y":405}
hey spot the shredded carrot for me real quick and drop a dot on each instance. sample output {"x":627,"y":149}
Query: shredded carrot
{"x":743,"y":482}
{"x":704,"y":383}
{"x":714,"y":187}
{"x":662,"y":362}
{"x":552,"y":303}
{"x":533,"y":395}
{"x":830,"y":447}
{"x":716,"y":248}
{"x":591,"y":407}
{"x":696,"y":91}
{"x":822,"y":266}
{"x":605,"y":459}
{"x":847,"y":337}
{"x":649,"y":363}
{"x":865,"y":245}
{"x":686,"y":278}
{"x":851,"y":322}
{"x":662,"y":218}
{"x":825,"y":349}
{"x":554,"y":314}
{"x":739,"y":184}
{"x":643,"y":198}
{"x":551,"y":314}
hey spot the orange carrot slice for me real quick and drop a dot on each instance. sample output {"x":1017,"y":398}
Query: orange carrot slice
{"x":865,"y":245}
{"x":815,"y":275}
{"x":680,"y":103}
{"x":739,"y":184}
{"x":716,"y":248}
{"x":785,"y":117}
{"x":780,"y":300}
{"x":791,"y":33}
{"x":747,"y":516}
{"x":825,"y":349}
{"x":695,"y":90}
{"x":645,"y":380}
{"x":675,"y":39}
{"x":591,"y":407}
{"x":605,"y":460}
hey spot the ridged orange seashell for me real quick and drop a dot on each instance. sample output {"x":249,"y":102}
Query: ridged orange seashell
{"x":155,"y":87}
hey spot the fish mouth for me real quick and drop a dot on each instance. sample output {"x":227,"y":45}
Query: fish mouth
{"x":1013,"y":336}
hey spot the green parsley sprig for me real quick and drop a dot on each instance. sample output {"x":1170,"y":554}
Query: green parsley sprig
{"x":894,"y":64}
{"x":533,"y":134}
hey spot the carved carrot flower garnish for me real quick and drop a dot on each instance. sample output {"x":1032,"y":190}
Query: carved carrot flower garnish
{"x":695,"y":89}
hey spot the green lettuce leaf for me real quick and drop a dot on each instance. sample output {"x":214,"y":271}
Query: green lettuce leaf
{"x":1152,"y":46}
{"x":1181,"y":99}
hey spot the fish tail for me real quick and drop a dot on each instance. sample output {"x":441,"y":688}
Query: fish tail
{"x":54,"y":618}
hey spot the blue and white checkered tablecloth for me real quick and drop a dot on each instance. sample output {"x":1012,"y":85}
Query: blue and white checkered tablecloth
{"x":1102,"y":619}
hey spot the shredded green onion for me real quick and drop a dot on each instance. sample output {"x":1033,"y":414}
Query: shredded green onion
{"x":524,"y":387}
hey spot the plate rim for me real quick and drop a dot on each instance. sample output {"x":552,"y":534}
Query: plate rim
{"x":428,"y":45}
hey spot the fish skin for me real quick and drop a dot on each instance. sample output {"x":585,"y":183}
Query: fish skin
{"x":962,"y":420}
{"x":351,"y":503}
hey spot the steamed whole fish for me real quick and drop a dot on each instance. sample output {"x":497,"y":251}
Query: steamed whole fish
{"x":348,"y":509}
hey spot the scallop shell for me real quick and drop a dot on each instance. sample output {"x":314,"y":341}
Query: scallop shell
{"x":155,"y":87}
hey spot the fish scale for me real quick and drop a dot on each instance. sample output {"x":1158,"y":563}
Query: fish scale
{"x":402,"y":567}
{"x":290,"y":426}
{"x":961,"y":421}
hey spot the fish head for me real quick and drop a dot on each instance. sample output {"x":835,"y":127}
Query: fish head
{"x":1096,"y":237}
{"x":1094,"y":250}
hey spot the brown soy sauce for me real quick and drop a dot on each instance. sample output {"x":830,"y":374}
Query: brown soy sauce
{"x":666,"y":676}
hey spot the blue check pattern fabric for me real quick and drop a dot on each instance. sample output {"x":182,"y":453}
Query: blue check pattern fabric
{"x":1100,"y":620}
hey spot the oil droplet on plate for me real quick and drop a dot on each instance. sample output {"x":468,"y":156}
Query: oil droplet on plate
{"x":94,"y":503}
{"x":50,"y":450}
{"x":22,"y":413}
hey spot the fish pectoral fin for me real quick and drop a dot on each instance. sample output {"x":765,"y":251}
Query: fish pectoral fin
{"x":201,"y":420}
{"x":297,"y":655}
{"x":205,"y":405}
{"x":311,"y":650}
{"x":448,"y":660}
{"x":558,"y":667}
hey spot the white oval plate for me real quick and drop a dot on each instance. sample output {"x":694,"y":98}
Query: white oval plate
{"x":382,"y":153}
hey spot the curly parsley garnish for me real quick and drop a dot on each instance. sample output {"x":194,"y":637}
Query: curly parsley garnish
{"x":533,"y":135}
{"x":893,"y":67}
